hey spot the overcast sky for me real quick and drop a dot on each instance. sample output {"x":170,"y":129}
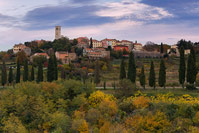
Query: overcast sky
{"x":159,"y":21}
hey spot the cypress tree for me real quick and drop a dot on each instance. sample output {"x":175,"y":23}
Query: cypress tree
{"x":25,"y":72}
{"x":122,"y":70}
{"x":104,"y":85}
{"x":142,"y":78}
{"x":18,"y":75}
{"x":97,"y":73}
{"x":161,"y":48}
{"x":10,"y":78}
{"x":50,"y":71}
{"x":152,"y":79}
{"x":182,"y":67}
{"x":3,"y":74}
{"x":91,"y":42}
{"x":55,"y":68}
{"x":132,"y":68}
{"x":191,"y":67}
{"x":32,"y":78}
{"x":40,"y":73}
{"x":162,"y":74}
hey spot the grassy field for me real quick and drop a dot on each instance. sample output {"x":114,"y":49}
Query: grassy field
{"x":172,"y":66}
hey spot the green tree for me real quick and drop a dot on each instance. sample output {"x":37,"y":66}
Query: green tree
{"x":182,"y":67}
{"x":32,"y":78}
{"x":132,"y":68}
{"x":91,"y":42}
{"x":142,"y":78}
{"x":3,"y":74}
{"x":97,"y":73}
{"x":25,"y":72}
{"x":162,"y":74}
{"x":40,"y":73}
{"x":191,"y":69}
{"x":104,"y":84}
{"x":18,"y":75}
{"x":122,"y":70}
{"x":50,"y":71}
{"x":55,"y":68}
{"x":124,"y":52}
{"x":10,"y":78}
{"x":161,"y":48}
{"x":152,"y":78}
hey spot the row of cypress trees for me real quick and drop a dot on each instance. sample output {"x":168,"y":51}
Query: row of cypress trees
{"x":131,"y":75}
{"x":52,"y":72}
{"x":187,"y":72}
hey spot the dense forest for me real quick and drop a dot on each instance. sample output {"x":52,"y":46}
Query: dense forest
{"x":72,"y":106}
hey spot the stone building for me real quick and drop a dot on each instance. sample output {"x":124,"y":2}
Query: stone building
{"x":58,"y":32}
{"x":65,"y":57}
{"x":22,"y":47}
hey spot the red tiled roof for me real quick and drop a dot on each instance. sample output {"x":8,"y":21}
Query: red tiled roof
{"x":137,"y":44}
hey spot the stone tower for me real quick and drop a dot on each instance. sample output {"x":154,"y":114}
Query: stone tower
{"x":57,"y":32}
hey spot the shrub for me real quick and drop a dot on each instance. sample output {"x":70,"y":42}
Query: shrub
{"x":190,"y":87}
{"x":127,"y":105}
{"x":171,"y":111}
{"x":126,"y":88}
{"x":93,"y":116}
{"x":97,"y":97}
{"x":108,"y":107}
{"x":141,"y":102}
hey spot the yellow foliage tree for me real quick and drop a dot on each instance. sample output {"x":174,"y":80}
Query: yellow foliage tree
{"x":151,"y":123}
{"x":141,"y":102}
{"x":13,"y":125}
{"x":108,"y":107}
{"x":80,"y":125}
{"x":78,"y":115}
{"x":97,"y":97}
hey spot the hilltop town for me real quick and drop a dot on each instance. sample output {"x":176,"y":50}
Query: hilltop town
{"x":69,"y":50}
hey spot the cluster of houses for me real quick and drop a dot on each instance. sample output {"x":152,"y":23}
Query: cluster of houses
{"x":97,"y":49}
{"x":64,"y":56}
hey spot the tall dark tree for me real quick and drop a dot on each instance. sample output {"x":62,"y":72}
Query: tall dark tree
{"x":25,"y":72}
{"x":191,"y":68}
{"x":97,"y":73}
{"x":122,"y":70}
{"x":18,"y":75}
{"x":50,"y":71}
{"x":182,"y":67}
{"x":10,"y":78}
{"x":161,"y":48}
{"x":55,"y":68}
{"x":162,"y":74}
{"x":152,"y":79}
{"x":132,"y":68}
{"x":3,"y":74}
{"x":91,"y":42}
{"x":40,"y":73}
{"x":32,"y":78}
{"x":142,"y":78}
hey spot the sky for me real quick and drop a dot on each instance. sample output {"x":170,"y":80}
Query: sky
{"x":158,"y":21}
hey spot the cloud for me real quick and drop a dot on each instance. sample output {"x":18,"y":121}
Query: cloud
{"x":91,"y":14}
{"x":9,"y":21}
{"x":83,"y":1}
{"x":48,"y":17}
{"x":133,"y":10}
